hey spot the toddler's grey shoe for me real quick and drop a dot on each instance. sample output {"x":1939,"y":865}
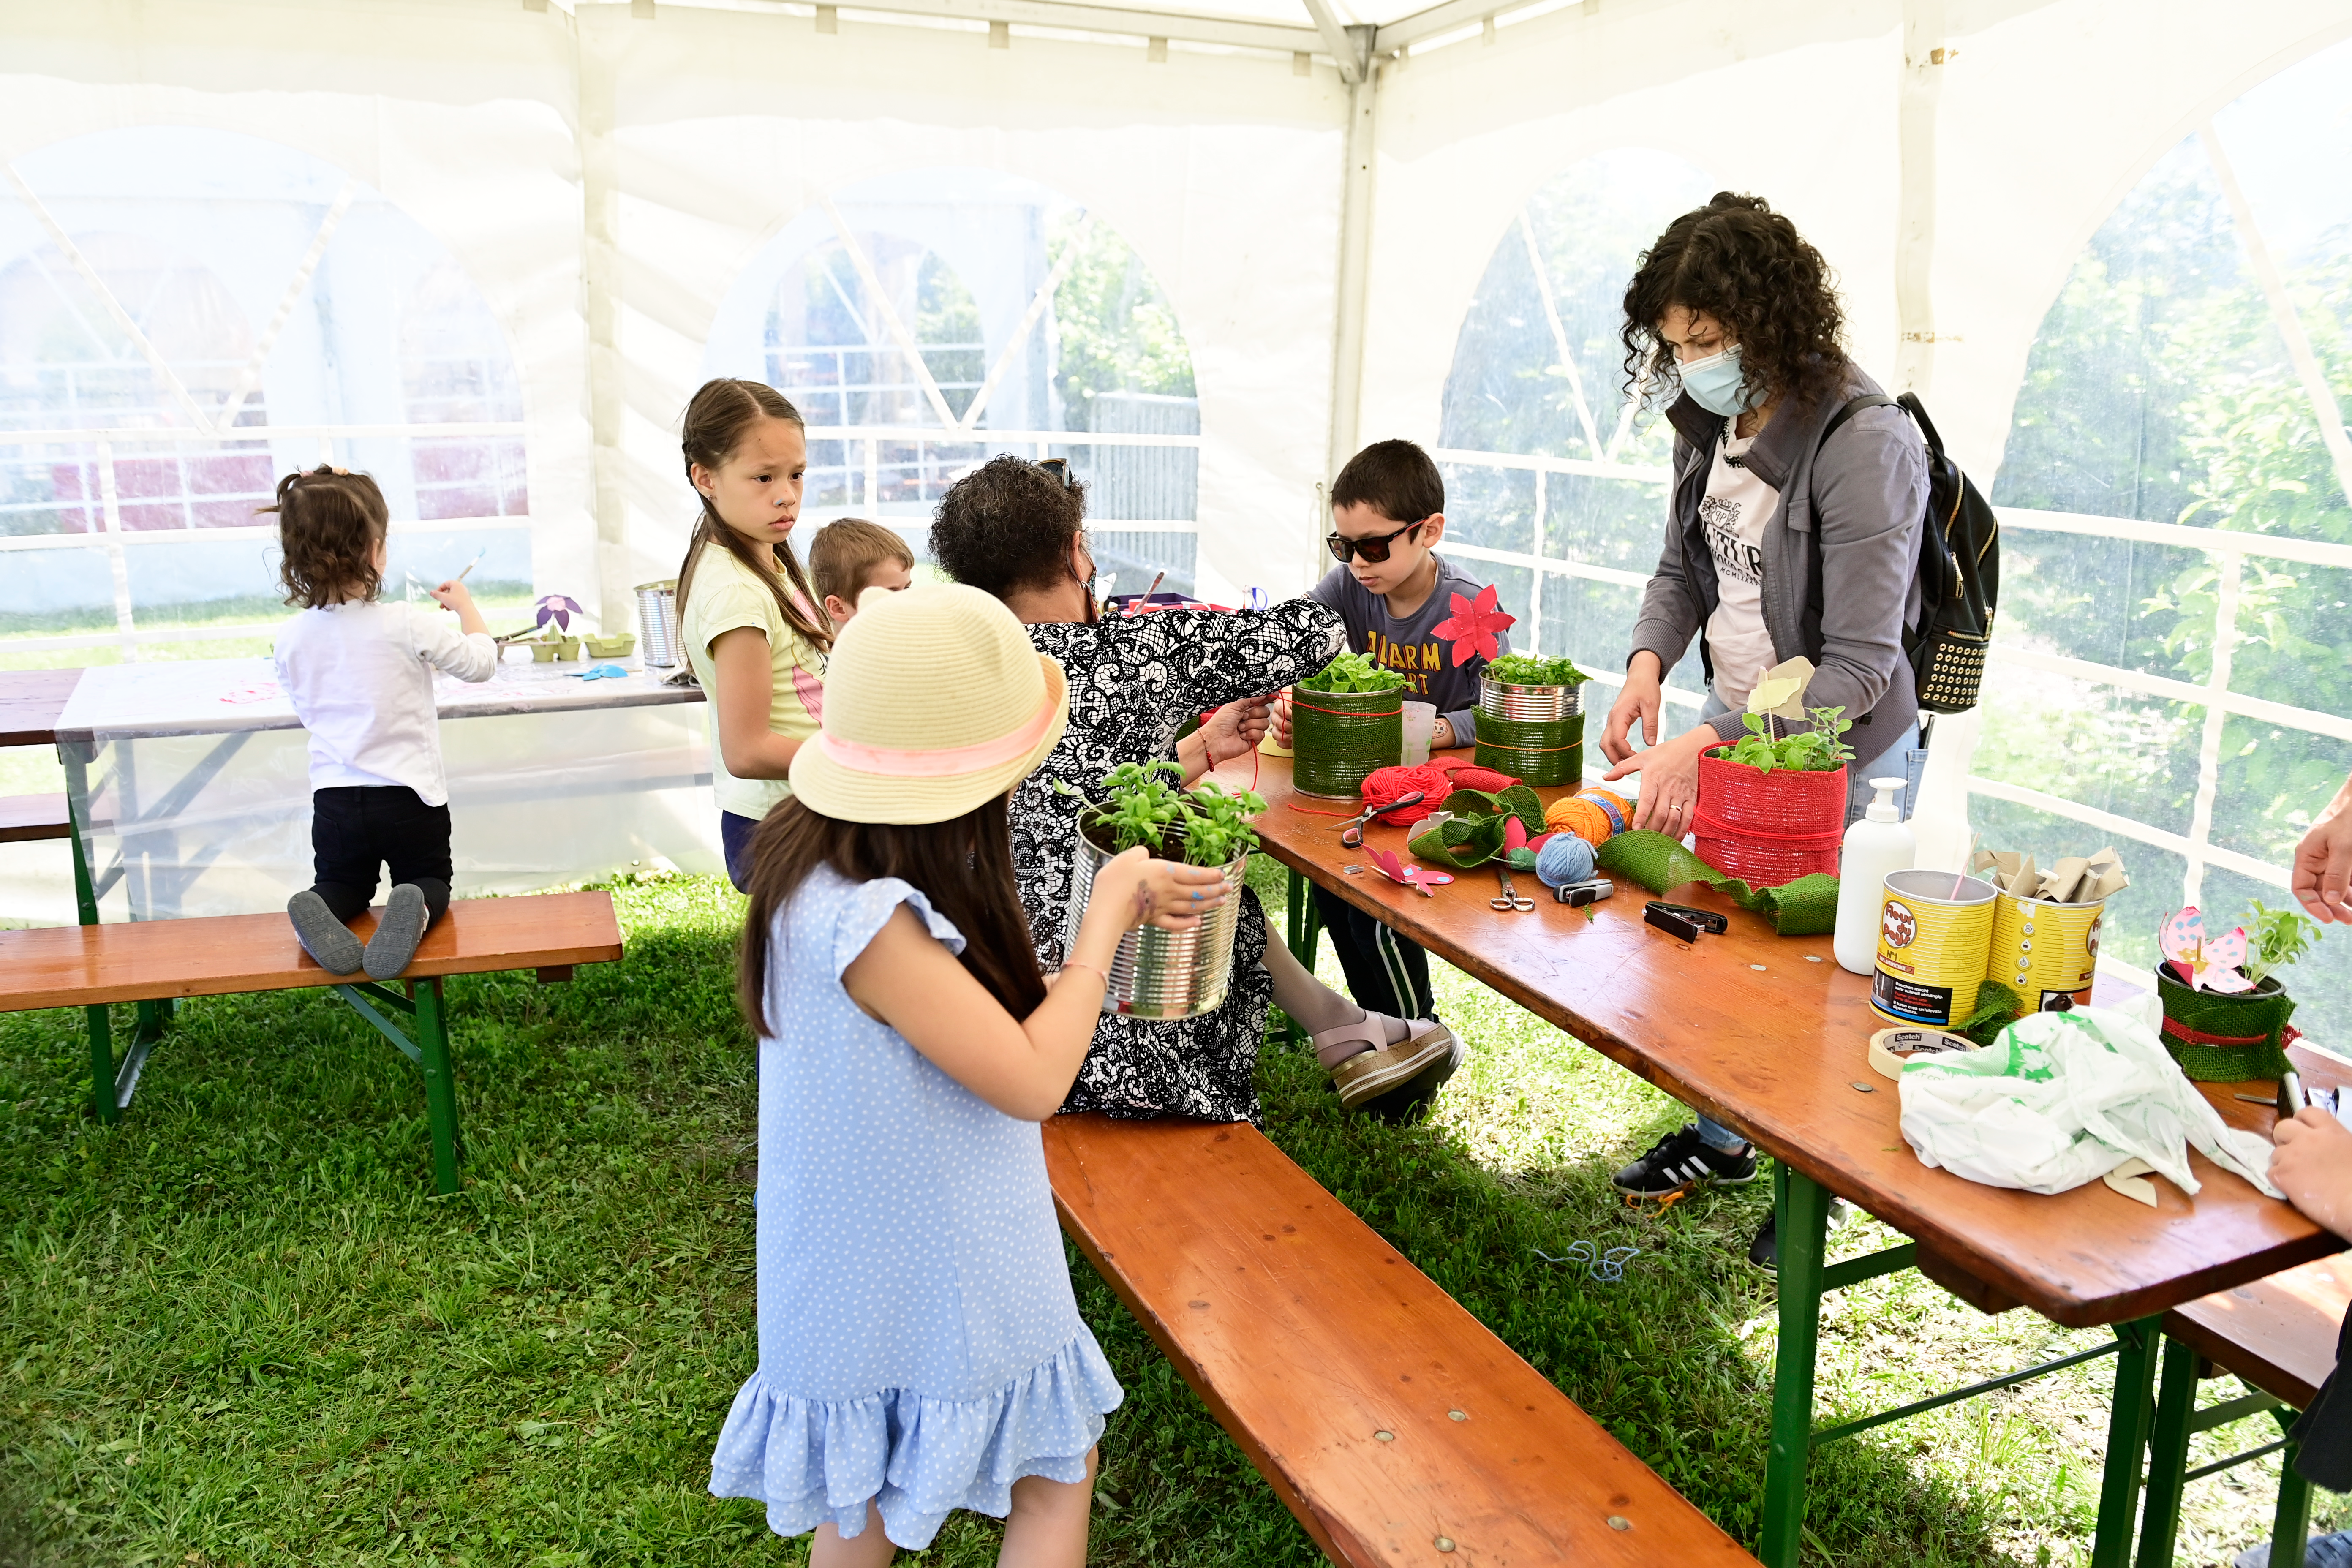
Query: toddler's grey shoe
{"x":397,"y":933}
{"x":323,"y":937}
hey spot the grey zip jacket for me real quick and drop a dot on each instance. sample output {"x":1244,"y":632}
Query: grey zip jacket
{"x":1841,"y":555}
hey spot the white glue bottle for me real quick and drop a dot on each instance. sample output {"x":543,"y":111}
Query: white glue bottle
{"x":1880,"y":843}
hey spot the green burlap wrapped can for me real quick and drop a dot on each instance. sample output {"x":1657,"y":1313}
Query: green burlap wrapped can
{"x":2225,"y":1039}
{"x":1531,"y":733}
{"x":1339,"y":739}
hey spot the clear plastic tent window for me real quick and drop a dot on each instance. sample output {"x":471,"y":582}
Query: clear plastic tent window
{"x":487,"y":251}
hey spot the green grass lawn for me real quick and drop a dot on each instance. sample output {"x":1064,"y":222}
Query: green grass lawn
{"x":239,"y":1328}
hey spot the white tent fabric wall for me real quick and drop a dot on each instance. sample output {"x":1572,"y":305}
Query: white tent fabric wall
{"x":1219,"y":172}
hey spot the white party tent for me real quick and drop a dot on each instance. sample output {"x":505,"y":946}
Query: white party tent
{"x":486,"y":249}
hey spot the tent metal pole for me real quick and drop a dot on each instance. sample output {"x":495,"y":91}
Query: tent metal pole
{"x":1355,"y":254}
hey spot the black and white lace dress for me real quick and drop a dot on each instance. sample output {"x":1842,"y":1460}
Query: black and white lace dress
{"x":1133,"y":683}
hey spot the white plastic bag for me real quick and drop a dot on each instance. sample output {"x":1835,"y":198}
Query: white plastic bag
{"x":2061,"y":1099}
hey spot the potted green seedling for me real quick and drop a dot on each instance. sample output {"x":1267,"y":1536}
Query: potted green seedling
{"x":1530,"y":718}
{"x":2225,"y":1008}
{"x":1162,"y":974}
{"x":1347,"y":722}
{"x":1771,"y":805}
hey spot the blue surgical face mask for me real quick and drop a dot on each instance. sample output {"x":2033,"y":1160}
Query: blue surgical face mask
{"x":1717,"y":383}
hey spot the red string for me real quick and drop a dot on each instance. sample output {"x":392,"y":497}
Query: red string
{"x":1398,"y":711}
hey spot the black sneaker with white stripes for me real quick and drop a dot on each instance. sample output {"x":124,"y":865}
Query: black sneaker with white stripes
{"x":1680,"y":1162}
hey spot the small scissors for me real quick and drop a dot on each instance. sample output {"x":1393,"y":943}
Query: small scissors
{"x":1510,"y":899}
{"x":1351,"y":833}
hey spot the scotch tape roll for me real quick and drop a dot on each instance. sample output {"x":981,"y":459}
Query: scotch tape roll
{"x":1890,"y":1048}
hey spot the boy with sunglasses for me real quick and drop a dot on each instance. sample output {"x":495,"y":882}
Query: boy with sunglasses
{"x":1390,"y":588}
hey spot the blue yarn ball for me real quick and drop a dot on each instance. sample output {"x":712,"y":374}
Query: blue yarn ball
{"x":1565,"y":858}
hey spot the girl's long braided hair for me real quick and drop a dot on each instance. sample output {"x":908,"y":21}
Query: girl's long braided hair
{"x":713,"y":427}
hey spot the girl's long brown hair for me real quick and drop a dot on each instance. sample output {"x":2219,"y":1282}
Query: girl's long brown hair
{"x":715,"y":422}
{"x":329,"y":524}
{"x":964,"y":865}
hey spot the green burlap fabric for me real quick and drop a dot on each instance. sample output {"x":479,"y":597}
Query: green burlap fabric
{"x":1476,"y":833}
{"x":1541,"y":751}
{"x":1806,"y":907}
{"x":2261,"y":1014}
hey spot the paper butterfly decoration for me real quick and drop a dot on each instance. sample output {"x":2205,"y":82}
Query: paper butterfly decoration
{"x":1474,"y":627}
{"x":556,"y":607}
{"x":2206,"y":965}
{"x":1420,"y":878}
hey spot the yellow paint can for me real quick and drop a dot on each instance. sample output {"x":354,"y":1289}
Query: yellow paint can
{"x":1935,"y":931}
{"x":2044,"y":951}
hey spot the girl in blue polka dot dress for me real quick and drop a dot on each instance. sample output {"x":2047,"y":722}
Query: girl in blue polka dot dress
{"x":920,"y":1349}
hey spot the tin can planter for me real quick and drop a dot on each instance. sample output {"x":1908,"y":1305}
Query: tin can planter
{"x":1532,"y":732}
{"x":1768,"y":829}
{"x":2225,"y":1039}
{"x":657,"y":621}
{"x":1934,"y":930}
{"x":1161,"y":973}
{"x":1339,"y":739}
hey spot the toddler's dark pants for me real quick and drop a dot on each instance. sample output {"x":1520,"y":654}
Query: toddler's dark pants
{"x":1386,"y":973}
{"x":355,"y":829}
{"x":735,"y":832}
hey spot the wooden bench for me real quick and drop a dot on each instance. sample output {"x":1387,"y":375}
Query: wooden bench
{"x":25,"y":817}
{"x":1390,"y":1421}
{"x":2278,"y":1335}
{"x":165,"y":962}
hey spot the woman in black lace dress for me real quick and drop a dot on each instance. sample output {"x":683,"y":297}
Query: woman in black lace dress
{"x":1016,"y":529}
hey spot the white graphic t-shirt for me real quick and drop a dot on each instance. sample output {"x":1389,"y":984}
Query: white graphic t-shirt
{"x":1732,"y":515}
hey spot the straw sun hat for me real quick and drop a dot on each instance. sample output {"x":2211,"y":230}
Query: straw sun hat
{"x":934,"y":702}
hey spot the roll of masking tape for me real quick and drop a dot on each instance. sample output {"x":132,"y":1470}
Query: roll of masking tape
{"x":1890,"y":1048}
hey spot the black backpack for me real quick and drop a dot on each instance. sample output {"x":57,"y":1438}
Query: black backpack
{"x":1959,"y":571}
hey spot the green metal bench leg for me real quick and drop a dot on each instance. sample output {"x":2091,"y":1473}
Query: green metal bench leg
{"x":2168,"y":1460}
{"x":2290,"y":1526}
{"x":1802,"y":1208}
{"x":2128,"y":1420}
{"x":440,"y":1084}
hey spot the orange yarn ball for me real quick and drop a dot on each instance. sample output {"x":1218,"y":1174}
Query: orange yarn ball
{"x":1588,"y":814}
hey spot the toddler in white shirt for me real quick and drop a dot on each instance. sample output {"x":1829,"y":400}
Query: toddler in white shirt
{"x":359,"y":671}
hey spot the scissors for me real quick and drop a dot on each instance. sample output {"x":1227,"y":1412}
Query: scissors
{"x":1510,"y":899}
{"x":1351,"y":833}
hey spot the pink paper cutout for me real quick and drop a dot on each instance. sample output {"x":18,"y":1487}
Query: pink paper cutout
{"x":2211,"y":965}
{"x":1420,"y":878}
{"x":1474,"y":627}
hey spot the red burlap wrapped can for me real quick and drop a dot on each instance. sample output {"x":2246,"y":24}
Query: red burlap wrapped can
{"x":1768,"y":828}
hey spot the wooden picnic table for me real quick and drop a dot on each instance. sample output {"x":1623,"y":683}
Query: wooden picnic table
{"x":30,"y":701}
{"x":1770,"y":1037}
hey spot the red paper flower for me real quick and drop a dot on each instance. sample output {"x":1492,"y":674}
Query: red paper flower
{"x":1474,"y":627}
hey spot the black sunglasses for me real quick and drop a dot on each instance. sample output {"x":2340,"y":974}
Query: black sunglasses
{"x":1374,"y":549}
{"x":1060,"y":468}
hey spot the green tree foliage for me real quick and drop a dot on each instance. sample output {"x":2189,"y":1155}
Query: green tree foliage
{"x":1117,"y":331}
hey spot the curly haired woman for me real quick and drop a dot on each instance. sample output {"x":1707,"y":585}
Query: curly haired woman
{"x":1017,"y":529}
{"x":1783,"y":538}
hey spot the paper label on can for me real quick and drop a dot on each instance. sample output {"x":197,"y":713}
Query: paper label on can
{"x":1910,"y":1000}
{"x":1897,"y":926}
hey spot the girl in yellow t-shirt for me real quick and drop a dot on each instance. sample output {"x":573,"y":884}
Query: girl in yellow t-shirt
{"x":745,"y":606}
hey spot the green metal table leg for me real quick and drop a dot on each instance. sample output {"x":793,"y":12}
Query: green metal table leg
{"x":1306,"y":921}
{"x":1802,"y":1208}
{"x":2291,"y":1525}
{"x":440,"y":1085}
{"x":101,"y":1063}
{"x":2167,"y":1460}
{"x":2128,"y":1420}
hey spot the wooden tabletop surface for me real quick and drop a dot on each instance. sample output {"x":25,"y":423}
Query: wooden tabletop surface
{"x":30,"y":701}
{"x":221,"y":955}
{"x":1769,"y":1035}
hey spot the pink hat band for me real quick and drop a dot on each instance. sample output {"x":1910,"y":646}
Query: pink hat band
{"x":941,"y":761}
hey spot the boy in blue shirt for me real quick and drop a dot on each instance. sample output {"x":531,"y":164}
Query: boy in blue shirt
{"x":1390,"y":588}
